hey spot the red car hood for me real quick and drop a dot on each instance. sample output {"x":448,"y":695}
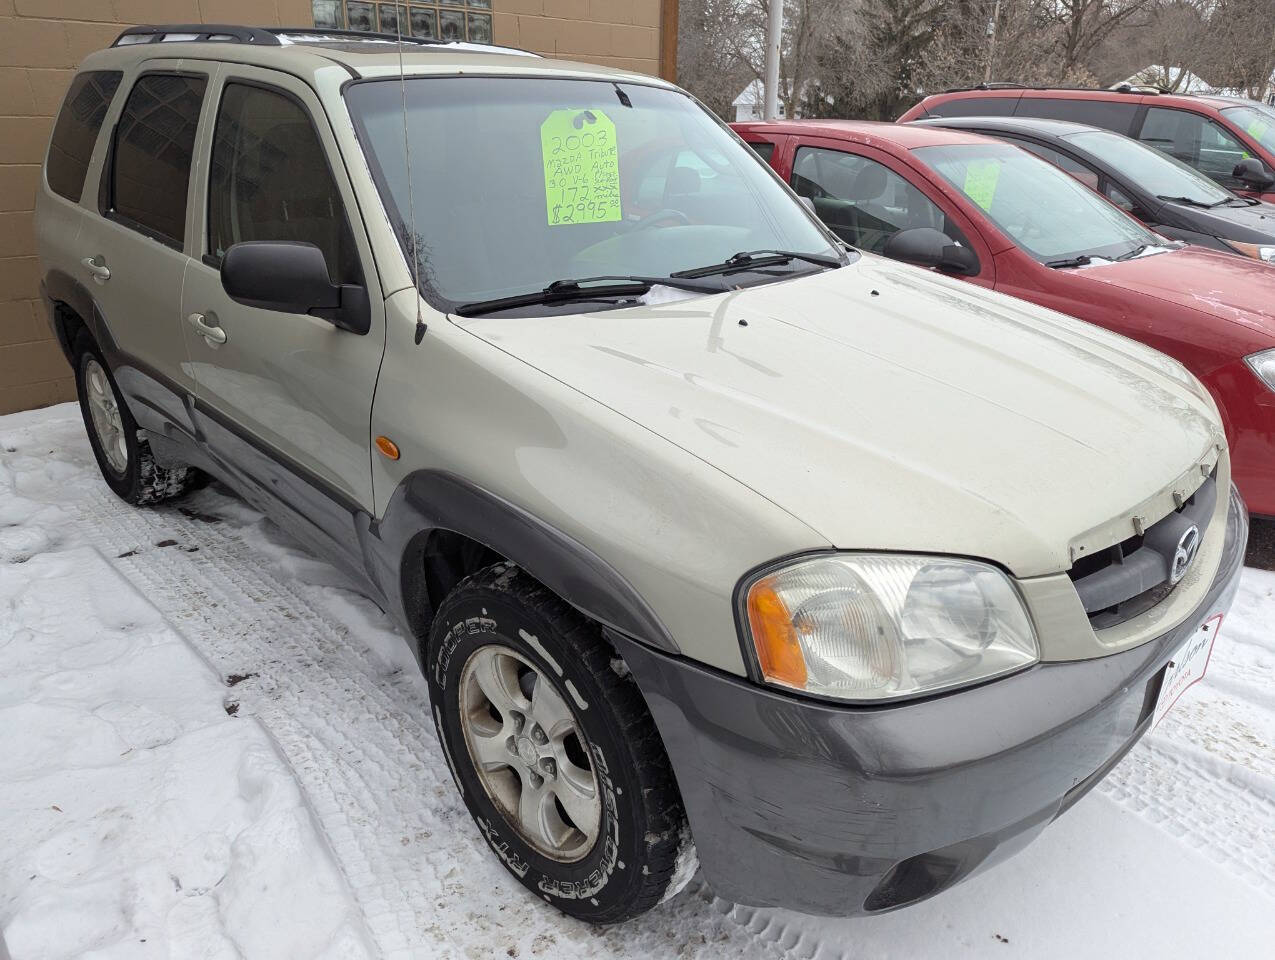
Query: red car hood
{"x":1232,"y":288}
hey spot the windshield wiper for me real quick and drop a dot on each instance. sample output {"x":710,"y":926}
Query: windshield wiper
{"x":1192,"y":202}
{"x":1135,"y":252}
{"x":582,"y":289}
{"x":1081,"y":261}
{"x":753,"y":259}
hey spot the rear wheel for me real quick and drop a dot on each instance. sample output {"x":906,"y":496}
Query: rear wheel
{"x":123,"y":455}
{"x":553,"y":749}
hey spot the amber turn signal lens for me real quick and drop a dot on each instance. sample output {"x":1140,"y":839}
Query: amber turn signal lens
{"x":775,"y":637}
{"x":387,"y":447}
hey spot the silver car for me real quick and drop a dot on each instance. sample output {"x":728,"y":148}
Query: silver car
{"x":719,"y":542}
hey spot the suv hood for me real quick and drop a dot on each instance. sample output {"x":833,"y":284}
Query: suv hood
{"x":890,"y":408}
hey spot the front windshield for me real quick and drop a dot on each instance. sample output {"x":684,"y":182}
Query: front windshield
{"x":519,"y":182}
{"x":1257,"y":120}
{"x":1047,"y":212}
{"x":1158,"y":173}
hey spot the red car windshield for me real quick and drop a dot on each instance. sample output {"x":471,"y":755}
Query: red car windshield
{"x":1044,"y":211}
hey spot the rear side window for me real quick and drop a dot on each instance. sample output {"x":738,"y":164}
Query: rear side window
{"x":1107,"y":114}
{"x":1059,"y":159}
{"x":270,"y":180}
{"x":973,"y":107}
{"x":150,"y":168}
{"x":76,"y":131}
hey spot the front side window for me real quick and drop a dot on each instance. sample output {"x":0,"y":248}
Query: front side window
{"x":1042,"y":209}
{"x":452,"y":20}
{"x":864,"y":202}
{"x":154,"y":142}
{"x":270,"y":180}
{"x":1258,"y":121}
{"x":519,"y":182}
{"x":1157,"y":173}
{"x":1195,"y":140}
{"x":76,"y":131}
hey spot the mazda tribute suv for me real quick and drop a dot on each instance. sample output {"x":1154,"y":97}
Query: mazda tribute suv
{"x":719,"y":542}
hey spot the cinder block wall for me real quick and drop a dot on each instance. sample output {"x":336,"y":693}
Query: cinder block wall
{"x":616,"y":33}
{"x":41,"y":41}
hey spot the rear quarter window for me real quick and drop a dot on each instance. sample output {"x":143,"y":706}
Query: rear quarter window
{"x":1107,"y":114}
{"x":76,"y":131}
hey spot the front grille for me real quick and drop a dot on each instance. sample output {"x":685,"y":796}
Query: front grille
{"x":1133,"y":576}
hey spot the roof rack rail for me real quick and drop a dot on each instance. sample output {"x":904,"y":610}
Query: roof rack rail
{"x":318,"y":32}
{"x":207,"y":32}
{"x":1148,"y":89}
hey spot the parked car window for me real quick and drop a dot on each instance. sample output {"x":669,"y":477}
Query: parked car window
{"x":765,"y":149}
{"x":506,"y":202}
{"x":1059,"y":159}
{"x":150,"y":169}
{"x":1119,"y":197}
{"x":270,"y":180}
{"x":1258,"y":121}
{"x":973,"y":107}
{"x":76,"y":130}
{"x":1108,"y":114}
{"x":1041,"y":208}
{"x":865,"y":203}
{"x":1196,"y":141}
{"x":1157,"y":173}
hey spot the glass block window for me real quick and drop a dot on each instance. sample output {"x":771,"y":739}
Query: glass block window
{"x":442,"y":20}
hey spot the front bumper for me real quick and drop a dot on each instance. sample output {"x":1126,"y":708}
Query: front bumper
{"x":848,"y":810}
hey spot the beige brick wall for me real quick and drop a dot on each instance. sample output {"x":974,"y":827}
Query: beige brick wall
{"x":41,"y":41}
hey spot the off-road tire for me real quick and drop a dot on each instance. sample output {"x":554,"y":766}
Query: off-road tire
{"x":143,"y":481}
{"x":643,"y":853}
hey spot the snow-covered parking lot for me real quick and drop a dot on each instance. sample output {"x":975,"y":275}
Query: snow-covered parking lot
{"x":211,"y":747}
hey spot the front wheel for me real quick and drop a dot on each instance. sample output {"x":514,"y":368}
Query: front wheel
{"x":553,"y":749}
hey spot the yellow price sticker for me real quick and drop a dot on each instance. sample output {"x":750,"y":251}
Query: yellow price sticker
{"x":1257,"y":128}
{"x":980,"y":182}
{"x":582,"y":167}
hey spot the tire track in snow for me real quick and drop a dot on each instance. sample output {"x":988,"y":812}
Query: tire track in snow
{"x":357,"y":734}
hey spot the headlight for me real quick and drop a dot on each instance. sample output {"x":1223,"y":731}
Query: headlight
{"x":1263,"y":364}
{"x":882,"y":627}
{"x":1258,"y":251}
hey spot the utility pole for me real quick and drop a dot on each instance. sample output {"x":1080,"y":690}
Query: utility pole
{"x":774,"y":36}
{"x":991,"y":41}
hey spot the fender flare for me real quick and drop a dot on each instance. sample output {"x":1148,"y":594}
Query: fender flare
{"x":438,"y":500}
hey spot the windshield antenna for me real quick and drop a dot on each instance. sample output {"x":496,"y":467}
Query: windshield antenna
{"x":407,"y":158}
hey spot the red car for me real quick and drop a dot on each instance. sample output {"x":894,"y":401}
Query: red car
{"x":1003,"y":218}
{"x":1230,"y":139}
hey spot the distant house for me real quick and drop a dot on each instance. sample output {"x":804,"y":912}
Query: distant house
{"x":1156,"y":75}
{"x":751,"y":103}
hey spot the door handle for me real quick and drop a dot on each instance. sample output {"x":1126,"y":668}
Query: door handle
{"x":209,"y":331}
{"x":99,"y":271}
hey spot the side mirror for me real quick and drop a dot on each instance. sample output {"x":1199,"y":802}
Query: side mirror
{"x":1254,"y":173}
{"x":927,"y":247}
{"x":292,"y":278}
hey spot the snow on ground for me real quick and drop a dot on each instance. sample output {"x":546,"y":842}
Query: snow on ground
{"x":211,"y":747}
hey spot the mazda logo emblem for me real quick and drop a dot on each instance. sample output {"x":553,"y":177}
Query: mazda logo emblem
{"x":1188,"y":545}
